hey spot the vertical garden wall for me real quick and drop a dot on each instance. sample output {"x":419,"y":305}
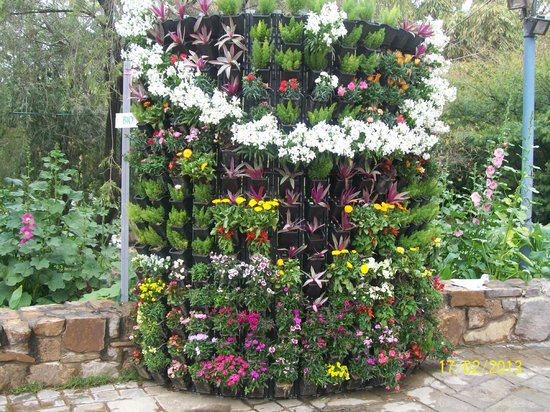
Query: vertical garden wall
{"x":283,"y":197}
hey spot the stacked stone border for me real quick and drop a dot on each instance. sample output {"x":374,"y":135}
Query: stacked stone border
{"x":49,"y":344}
{"x":502,"y":312}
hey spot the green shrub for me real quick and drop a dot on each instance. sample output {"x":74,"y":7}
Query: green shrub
{"x":260,"y":32}
{"x":390,"y":16}
{"x":352,"y":38}
{"x":261,"y":54}
{"x":321,"y":114}
{"x":177,"y":195}
{"x":374,"y":39}
{"x":200,"y":272}
{"x":176,"y":240}
{"x":67,"y":253}
{"x":202,"y":246}
{"x":316,"y":60}
{"x":349,"y":63}
{"x":177,"y":217}
{"x":230,"y":7}
{"x":289,"y":60}
{"x":288,"y":114}
{"x":202,"y":217}
{"x":266,"y":6}
{"x":293,"y":32}
{"x":154,"y":189}
{"x":295,"y":6}
{"x":152,"y":238}
{"x":369,"y":64}
{"x":134,"y":213}
{"x":153,"y":215}
{"x":202,"y":192}
{"x":320,"y":167}
{"x":359,"y":9}
{"x":349,"y":111}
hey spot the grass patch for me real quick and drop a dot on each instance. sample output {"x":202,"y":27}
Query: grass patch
{"x":127,"y":375}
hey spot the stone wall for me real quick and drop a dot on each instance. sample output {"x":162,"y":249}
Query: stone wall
{"x":510,"y":311}
{"x":51,"y":343}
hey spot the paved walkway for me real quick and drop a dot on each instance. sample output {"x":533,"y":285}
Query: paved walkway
{"x":428,"y":389}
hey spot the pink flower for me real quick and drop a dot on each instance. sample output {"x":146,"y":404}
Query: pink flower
{"x":499,"y":152}
{"x":491,"y":184}
{"x":363,"y":85}
{"x":400,"y":119}
{"x":351,"y":86}
{"x":488,"y":193}
{"x":476,"y":199}
{"x":458,"y":233}
{"x":475,"y":221}
{"x":177,"y":134}
{"x":490,"y":171}
{"x":497,"y":162}
{"x":27,"y":219}
{"x":486,"y":207}
{"x":341,"y":91}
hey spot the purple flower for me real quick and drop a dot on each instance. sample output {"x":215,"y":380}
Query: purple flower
{"x":254,"y":374}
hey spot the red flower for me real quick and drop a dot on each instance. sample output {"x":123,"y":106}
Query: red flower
{"x":282,"y":87}
{"x":390,"y":301}
{"x":250,"y":77}
{"x":262,"y":238}
{"x":151,"y":141}
{"x":183,"y":56}
{"x":250,"y":236}
{"x":293,"y":83}
{"x":171,"y":165}
{"x":173,"y":59}
{"x":400,"y":119}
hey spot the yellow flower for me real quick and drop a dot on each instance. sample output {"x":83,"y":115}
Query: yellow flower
{"x":261,"y":202}
{"x":252,"y":202}
{"x":344,"y":251}
{"x":142,"y":296}
{"x":280,"y":262}
{"x":226,"y":200}
{"x":377,"y":206}
{"x":414,"y":249}
{"x":203,"y":166}
{"x":258,"y":209}
{"x":216,"y":201}
{"x":353,"y":251}
{"x":408,"y":58}
{"x":240,"y":200}
{"x":336,"y":253}
{"x":267,"y":206}
{"x":348,"y":209}
{"x":281,"y":272}
{"x":417,"y":61}
{"x":437,"y":242}
{"x":349,"y":265}
{"x":187,"y":153}
{"x":400,"y":250}
{"x":364,"y":268}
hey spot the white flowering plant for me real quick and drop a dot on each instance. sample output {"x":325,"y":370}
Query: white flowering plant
{"x":325,"y":28}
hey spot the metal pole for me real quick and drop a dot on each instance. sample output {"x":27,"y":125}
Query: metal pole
{"x":125,"y":188}
{"x":528,"y":130}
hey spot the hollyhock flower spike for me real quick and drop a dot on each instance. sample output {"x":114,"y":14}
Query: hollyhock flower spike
{"x":476,"y":199}
{"x":490,"y":171}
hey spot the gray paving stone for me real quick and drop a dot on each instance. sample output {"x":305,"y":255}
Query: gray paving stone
{"x":290,"y":403}
{"x":56,"y":409}
{"x":48,"y":394}
{"x":78,"y":399}
{"x":53,"y":403}
{"x":269,"y":407}
{"x":303,"y":408}
{"x":145,"y":404}
{"x":102,"y":388}
{"x":438,"y":400}
{"x":25,"y":397}
{"x":514,"y":403}
{"x":132,"y":393}
{"x":487,"y":393}
{"x":181,"y":401}
{"x":126,"y":385}
{"x":156,"y":390}
{"x":405,"y":407}
{"x":106,"y":396}
{"x":3,"y":400}
{"x":91,"y":407}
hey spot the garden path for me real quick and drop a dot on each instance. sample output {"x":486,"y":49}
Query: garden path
{"x":428,"y":389}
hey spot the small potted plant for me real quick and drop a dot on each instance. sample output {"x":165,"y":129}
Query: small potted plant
{"x":254,"y":90}
{"x":231,"y":10}
{"x":291,"y":204}
{"x":372,"y":42}
{"x":288,"y":114}
{"x":290,"y":62}
{"x":346,"y":198}
{"x":345,"y":171}
{"x":202,"y":40}
{"x":295,"y":7}
{"x":350,"y":41}
{"x":349,"y":66}
{"x":319,"y":170}
{"x":290,"y":90}
{"x":178,"y":193}
{"x":389,"y":17}
{"x":256,"y":177}
{"x":290,"y":178}
{"x":231,"y":177}
{"x":266,"y":7}
{"x":289,"y":234}
{"x":315,"y":236}
{"x":318,"y":205}
{"x":202,"y":221}
{"x":201,"y":249}
{"x":261,"y":59}
{"x":291,"y":32}
{"x":177,"y":221}
{"x":316,"y":261}
{"x":313,"y":286}
{"x":321,"y":114}
{"x":155,"y":190}
{"x":323,"y":91}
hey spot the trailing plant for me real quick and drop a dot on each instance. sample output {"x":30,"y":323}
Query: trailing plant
{"x":289,"y":113}
{"x":202,"y":246}
{"x":349,"y":63}
{"x":374,"y":39}
{"x":55,"y":243}
{"x":293,"y":32}
{"x":261,"y":54}
{"x":353,"y":37}
{"x":260,"y":32}
{"x":230,"y":7}
{"x":321,"y":114}
{"x":289,"y":60}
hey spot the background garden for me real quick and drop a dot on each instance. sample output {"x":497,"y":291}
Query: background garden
{"x":59,"y":210}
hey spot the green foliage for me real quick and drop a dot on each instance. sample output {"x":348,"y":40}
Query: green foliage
{"x":352,"y":38}
{"x":317,"y":60}
{"x":230,"y":7}
{"x":293,"y":32}
{"x":154,"y":188}
{"x":369,"y":64}
{"x":202,"y":246}
{"x":135,"y":213}
{"x":176,"y":194}
{"x":200,"y":272}
{"x":150,"y":237}
{"x":390,"y":16}
{"x":349,"y":111}
{"x":176,"y":239}
{"x":295,"y":6}
{"x":260,"y":32}
{"x":424,"y":188}
{"x":261,"y":54}
{"x":320,"y":167}
{"x":288,"y":114}
{"x":321,"y":114}
{"x":349,"y":63}
{"x":359,"y":9}
{"x":289,"y":60}
{"x":153,"y":215}
{"x":69,"y":253}
{"x":177,"y":217}
{"x":266,"y":6}
{"x":374,"y":39}
{"x":202,"y":217}
{"x":203,"y":192}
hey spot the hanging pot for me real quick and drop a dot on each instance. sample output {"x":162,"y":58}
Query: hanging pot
{"x":400,"y":40}
{"x":230,"y":184}
{"x":141,"y":201}
{"x":283,"y":390}
{"x":294,"y":212}
{"x":238,"y":21}
{"x":307,"y":389}
{"x":390,"y":34}
{"x":318,"y":264}
{"x":202,"y":387}
{"x":287,"y":239}
{"x":201,"y":258}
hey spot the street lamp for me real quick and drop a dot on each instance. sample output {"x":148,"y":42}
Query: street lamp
{"x":536,"y":25}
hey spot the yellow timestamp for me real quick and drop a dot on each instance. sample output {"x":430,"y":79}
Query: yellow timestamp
{"x":477,"y":367}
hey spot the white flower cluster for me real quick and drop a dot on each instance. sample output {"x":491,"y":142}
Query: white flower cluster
{"x":325,"y":78}
{"x":328,"y":25}
{"x":259,"y":133}
{"x":439,"y":39}
{"x":152,"y":264}
{"x":141,"y":58}
{"x":137,"y":18}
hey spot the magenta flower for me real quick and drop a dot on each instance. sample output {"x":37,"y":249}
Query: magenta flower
{"x":476,"y":199}
{"x":490,"y":171}
{"x":499,"y":152}
{"x":28,"y":219}
{"x":363,"y":85}
{"x":351,"y":86}
{"x":486,"y":207}
{"x":341,"y":91}
{"x":424,"y":30}
{"x":421,"y":50}
{"x":475,"y":221}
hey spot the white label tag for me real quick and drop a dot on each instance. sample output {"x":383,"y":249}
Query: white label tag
{"x":125,"y":121}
